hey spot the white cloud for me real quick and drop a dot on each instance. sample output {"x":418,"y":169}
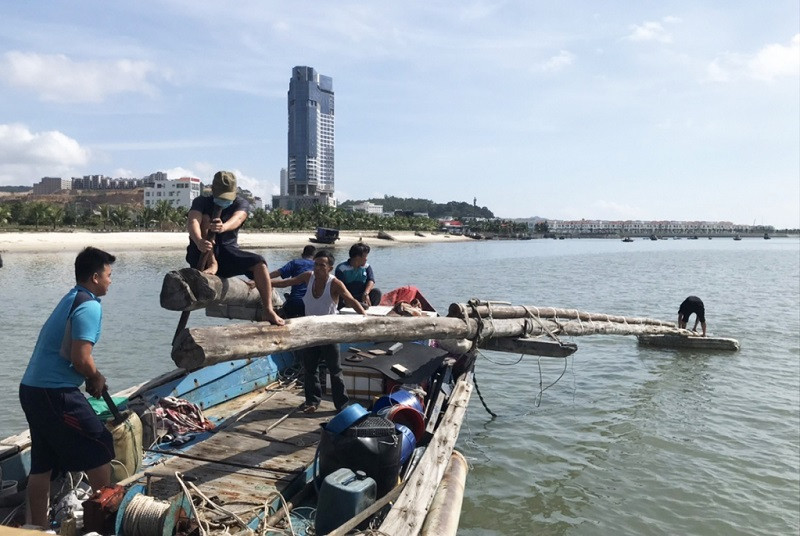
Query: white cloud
{"x":58,"y":78}
{"x":124,"y":173}
{"x":560,"y":61}
{"x":27,"y":156}
{"x":771,"y":62}
{"x":652,"y":31}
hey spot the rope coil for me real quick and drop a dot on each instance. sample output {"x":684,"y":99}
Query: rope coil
{"x":144,"y":516}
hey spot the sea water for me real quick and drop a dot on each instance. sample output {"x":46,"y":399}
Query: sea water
{"x":616,"y":439}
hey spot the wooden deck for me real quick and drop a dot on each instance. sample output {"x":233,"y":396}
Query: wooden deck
{"x":254,"y":454}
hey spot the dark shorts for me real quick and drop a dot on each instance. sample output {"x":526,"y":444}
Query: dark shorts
{"x":232,"y":261}
{"x":692,"y":305}
{"x":66,"y":434}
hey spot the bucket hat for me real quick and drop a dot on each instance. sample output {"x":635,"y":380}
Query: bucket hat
{"x":224,"y":185}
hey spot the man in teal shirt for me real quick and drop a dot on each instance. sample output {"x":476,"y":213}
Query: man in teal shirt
{"x":66,"y":435}
{"x":357,"y":276}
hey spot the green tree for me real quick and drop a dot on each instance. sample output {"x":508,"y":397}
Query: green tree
{"x":36,"y":213}
{"x":5,"y":214}
{"x":162,"y":213}
{"x":55,"y":215}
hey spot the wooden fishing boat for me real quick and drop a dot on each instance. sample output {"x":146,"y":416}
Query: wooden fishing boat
{"x":258,"y":462}
{"x":260,"y":466}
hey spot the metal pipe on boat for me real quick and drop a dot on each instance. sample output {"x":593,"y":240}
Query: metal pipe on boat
{"x":445,"y":510}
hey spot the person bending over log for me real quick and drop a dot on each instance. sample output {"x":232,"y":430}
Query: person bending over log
{"x":225,"y":257}
{"x":293,"y":306}
{"x":66,"y":434}
{"x":692,"y":305}
{"x":322,"y":296}
{"x":357,"y":276}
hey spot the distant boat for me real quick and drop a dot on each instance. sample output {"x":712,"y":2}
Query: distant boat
{"x":627,"y":239}
{"x":737,"y":237}
{"x":693,"y":237}
{"x":325,"y":236}
{"x":766,"y":236}
{"x":653,"y":237}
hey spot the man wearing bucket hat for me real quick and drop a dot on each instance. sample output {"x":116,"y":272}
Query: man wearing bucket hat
{"x":226,"y":259}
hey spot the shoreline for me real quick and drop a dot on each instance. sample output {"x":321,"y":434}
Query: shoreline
{"x":74,"y":241}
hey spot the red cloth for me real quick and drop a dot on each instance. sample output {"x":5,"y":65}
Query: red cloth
{"x":406,"y":294}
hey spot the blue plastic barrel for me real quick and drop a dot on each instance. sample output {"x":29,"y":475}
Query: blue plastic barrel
{"x":401,"y":397}
{"x":409,"y":443}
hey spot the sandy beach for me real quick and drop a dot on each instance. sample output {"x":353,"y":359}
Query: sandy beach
{"x":161,"y":241}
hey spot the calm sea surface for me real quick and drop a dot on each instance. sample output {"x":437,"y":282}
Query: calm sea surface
{"x":630,"y":440}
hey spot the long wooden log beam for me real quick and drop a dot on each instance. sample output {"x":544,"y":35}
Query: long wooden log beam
{"x":200,"y":347}
{"x":503,"y":311}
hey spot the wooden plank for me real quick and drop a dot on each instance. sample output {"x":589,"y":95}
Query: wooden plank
{"x":408,"y":513}
{"x":679,"y":341}
{"x":528,"y":346}
{"x":243,"y":463}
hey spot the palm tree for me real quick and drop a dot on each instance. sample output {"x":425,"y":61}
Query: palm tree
{"x":55,"y":215}
{"x":162,"y":213}
{"x":121,"y":216}
{"x":105,"y":214}
{"x":37,"y":212}
{"x":5,"y":214}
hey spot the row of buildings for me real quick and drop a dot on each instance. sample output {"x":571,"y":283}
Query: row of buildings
{"x":49,"y":185}
{"x":599,"y":228}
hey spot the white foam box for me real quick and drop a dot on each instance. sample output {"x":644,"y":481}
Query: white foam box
{"x":362,"y":383}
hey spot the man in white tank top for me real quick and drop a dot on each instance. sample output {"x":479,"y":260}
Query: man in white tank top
{"x":322,"y":298}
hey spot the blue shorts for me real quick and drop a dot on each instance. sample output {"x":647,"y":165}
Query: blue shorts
{"x":66,"y":434}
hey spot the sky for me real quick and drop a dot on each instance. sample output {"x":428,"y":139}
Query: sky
{"x":617,"y":110}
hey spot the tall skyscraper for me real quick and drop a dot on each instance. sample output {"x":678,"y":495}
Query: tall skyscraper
{"x":310,"y":175}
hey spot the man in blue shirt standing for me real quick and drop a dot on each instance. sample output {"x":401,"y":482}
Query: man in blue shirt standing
{"x":357,"y":276}
{"x":293,"y":306}
{"x":66,"y":434}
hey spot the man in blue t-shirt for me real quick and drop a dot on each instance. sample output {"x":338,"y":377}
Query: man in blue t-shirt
{"x":66,"y":434}
{"x":357,"y":276}
{"x":227,"y":260}
{"x":293,"y":306}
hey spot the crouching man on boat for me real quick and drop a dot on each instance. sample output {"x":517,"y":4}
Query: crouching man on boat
{"x":226,"y":259}
{"x":692,"y":305}
{"x":357,"y":276}
{"x":66,"y":434}
{"x":321,"y":298}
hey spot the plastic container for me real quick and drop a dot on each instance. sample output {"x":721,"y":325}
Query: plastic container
{"x":407,"y":416}
{"x":346,"y":418}
{"x":401,"y":397}
{"x":372,"y":445}
{"x":409,"y":443}
{"x":127,"y":446}
{"x":343,"y":494}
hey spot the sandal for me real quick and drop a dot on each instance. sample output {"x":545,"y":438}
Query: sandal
{"x":309,"y":408}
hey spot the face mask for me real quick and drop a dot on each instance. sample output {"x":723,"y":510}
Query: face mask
{"x":224,"y":203}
